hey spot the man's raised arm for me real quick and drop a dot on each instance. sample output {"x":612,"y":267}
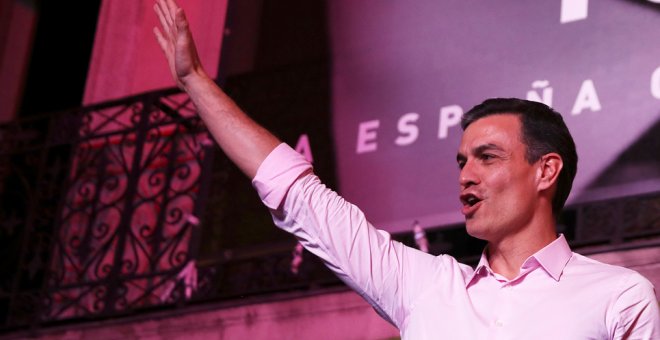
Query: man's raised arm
{"x":244,"y":141}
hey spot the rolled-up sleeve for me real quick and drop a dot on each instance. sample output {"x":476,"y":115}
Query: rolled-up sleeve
{"x":276,"y":174}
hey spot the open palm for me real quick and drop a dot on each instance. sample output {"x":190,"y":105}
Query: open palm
{"x":176,"y":41}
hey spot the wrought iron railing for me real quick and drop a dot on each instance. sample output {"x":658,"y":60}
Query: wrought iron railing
{"x":100,"y":207}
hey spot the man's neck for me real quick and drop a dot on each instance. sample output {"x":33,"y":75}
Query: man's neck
{"x":507,"y":255}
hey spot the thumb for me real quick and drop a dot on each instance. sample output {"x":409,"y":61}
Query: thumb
{"x":180,"y":20}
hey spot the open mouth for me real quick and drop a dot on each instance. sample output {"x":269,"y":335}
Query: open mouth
{"x":470,"y":203}
{"x":470,"y":200}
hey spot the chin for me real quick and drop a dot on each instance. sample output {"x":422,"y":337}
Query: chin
{"x":475,"y":230}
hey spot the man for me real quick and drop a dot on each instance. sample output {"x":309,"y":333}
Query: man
{"x":517,"y":164}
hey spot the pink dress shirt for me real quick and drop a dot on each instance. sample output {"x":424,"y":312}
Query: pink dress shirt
{"x":557,"y":295}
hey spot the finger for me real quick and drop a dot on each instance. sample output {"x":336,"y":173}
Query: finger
{"x":172,"y":6}
{"x":161,"y":39}
{"x":181,"y":21}
{"x":159,"y":13}
{"x":169,"y":18}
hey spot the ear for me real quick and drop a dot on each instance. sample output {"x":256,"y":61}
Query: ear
{"x":548,"y":172}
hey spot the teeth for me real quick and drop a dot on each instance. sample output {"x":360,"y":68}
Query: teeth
{"x":472,"y":200}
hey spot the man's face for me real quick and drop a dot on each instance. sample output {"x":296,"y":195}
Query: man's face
{"x":497,"y":184}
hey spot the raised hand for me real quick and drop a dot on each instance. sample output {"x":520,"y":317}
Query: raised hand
{"x":245,"y":142}
{"x":177,"y":42}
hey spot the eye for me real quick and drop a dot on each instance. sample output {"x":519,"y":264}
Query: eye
{"x":461,"y":164}
{"x":487,"y":157}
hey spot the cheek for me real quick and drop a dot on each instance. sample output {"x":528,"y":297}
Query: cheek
{"x":510,"y":189}
{"x":520,"y":194}
{"x":499,"y":181}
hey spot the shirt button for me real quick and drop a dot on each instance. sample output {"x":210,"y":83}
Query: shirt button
{"x":499,"y":323}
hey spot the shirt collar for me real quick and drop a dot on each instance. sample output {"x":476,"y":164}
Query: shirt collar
{"x":552,"y":258}
{"x":483,"y":268}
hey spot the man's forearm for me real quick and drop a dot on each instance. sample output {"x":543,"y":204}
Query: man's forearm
{"x":244,"y":141}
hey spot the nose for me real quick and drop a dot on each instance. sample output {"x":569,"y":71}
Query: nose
{"x":468,"y":175}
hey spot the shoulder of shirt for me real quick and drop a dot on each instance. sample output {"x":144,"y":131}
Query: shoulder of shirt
{"x":608,"y":271}
{"x":450,"y":261}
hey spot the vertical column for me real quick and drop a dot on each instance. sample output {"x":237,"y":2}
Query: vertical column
{"x":17,"y":26}
{"x":126,"y":59}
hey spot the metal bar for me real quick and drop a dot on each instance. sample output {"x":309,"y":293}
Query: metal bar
{"x":124,"y":226}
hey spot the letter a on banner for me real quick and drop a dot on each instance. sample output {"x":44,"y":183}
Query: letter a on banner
{"x":303,"y":147}
{"x":587,"y":98}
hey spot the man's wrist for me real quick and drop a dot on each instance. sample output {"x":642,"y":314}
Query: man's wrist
{"x":194,"y":78}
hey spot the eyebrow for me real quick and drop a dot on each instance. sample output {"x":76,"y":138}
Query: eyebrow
{"x":479,"y":150}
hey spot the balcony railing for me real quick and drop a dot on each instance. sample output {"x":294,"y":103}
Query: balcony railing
{"x":99,"y":207}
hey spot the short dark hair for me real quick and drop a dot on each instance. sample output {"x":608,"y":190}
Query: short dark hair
{"x":543,"y":132}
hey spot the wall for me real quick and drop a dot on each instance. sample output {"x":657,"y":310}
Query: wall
{"x":339,"y":315}
{"x":336,"y":315}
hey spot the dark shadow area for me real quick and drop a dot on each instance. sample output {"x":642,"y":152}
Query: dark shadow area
{"x":641,"y":160}
{"x":283,"y":82}
{"x":646,"y":3}
{"x":60,"y":56}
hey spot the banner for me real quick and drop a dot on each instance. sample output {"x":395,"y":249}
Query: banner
{"x":405,"y":71}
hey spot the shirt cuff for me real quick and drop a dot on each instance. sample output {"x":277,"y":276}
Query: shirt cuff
{"x":277,"y":173}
